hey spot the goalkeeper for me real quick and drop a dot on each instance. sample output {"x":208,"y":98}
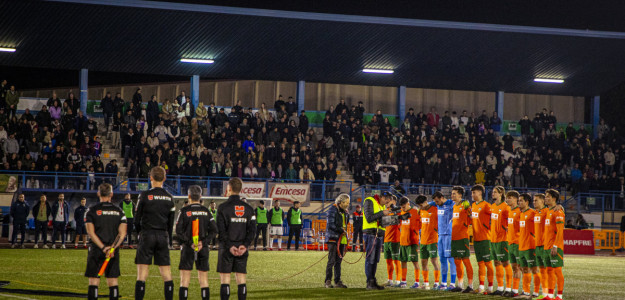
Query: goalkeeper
{"x":106,"y":226}
{"x":445,"y":213}
{"x":195,"y":227}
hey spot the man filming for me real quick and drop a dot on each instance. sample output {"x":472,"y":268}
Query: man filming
{"x":106,"y":226}
{"x":374,"y":209}
{"x":195,"y":227}
{"x":337,"y":240}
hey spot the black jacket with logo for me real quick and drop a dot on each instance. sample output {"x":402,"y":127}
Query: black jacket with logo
{"x":155,"y":210}
{"x":236,"y":223}
{"x":184,"y":224}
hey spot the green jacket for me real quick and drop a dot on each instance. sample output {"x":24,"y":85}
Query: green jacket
{"x":12,"y":99}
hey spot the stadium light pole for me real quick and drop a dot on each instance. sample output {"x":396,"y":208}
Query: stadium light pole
{"x":84,"y":90}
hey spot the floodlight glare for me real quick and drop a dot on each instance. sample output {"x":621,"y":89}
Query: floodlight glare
{"x":380,"y":71}
{"x":4,"y":49}
{"x":548,"y":80}
{"x":197,"y":61}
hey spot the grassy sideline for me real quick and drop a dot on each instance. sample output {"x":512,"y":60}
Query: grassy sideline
{"x":271,"y":276}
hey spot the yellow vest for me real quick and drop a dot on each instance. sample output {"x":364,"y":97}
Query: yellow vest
{"x":376,"y":208}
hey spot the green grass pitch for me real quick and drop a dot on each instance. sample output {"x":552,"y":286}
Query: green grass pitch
{"x":271,"y":276}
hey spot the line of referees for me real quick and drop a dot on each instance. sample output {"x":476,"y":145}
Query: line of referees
{"x":603,"y":239}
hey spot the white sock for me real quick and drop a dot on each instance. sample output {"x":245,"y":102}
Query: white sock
{"x":390,"y":281}
{"x":515,"y":291}
{"x":551,"y":296}
{"x":270,"y":243}
{"x":436,"y":283}
{"x":500,"y":288}
{"x":490,"y":289}
{"x":481,"y":287}
{"x":280,"y":243}
{"x":508,"y":289}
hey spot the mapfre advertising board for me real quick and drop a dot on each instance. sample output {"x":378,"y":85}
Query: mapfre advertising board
{"x":578,"y":242}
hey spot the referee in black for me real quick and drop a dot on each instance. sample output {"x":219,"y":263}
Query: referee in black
{"x":153,"y":221}
{"x":106,"y":224}
{"x":236,"y":223}
{"x":184,"y":230}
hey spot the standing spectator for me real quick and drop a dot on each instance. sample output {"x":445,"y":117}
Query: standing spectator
{"x":294,"y":219}
{"x":41,"y":213}
{"x":357,"y":228}
{"x":107,"y":109}
{"x":12,"y":99}
{"x":73,"y":103}
{"x":137,"y":99}
{"x":79,"y":218}
{"x":305,"y":174}
{"x":433,"y":118}
{"x":19,"y":213}
{"x":56,"y":111}
{"x":182,"y":98}
{"x":3,"y":92}
{"x":385,"y":175}
{"x":129,"y":210}
{"x":610,"y":160}
{"x":43,"y":118}
{"x":303,"y":122}
{"x":337,"y":240}
{"x":118,"y":104}
{"x":495,"y":122}
{"x":291,"y":106}
{"x":60,"y":217}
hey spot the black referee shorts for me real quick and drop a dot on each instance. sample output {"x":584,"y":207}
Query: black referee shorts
{"x":228,"y":263}
{"x":96,"y":258}
{"x":187,"y":258}
{"x":153,"y":244}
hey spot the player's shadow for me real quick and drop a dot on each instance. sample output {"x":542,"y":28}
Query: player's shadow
{"x":354,"y":293}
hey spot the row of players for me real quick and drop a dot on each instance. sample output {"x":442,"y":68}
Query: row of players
{"x":520,"y":240}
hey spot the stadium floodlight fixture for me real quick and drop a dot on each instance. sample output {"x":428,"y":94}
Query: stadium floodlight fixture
{"x":548,"y":80}
{"x":379,"y":71}
{"x":7,"y":49}
{"x":197,"y":60}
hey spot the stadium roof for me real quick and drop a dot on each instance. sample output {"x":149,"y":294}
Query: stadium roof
{"x":149,"y":37}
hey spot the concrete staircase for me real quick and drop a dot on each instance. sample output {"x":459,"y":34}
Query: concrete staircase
{"x":108,"y":153}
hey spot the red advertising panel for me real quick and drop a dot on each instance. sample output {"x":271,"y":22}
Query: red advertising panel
{"x":578,"y":242}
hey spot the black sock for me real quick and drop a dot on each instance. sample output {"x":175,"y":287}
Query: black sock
{"x":169,"y":290}
{"x":93,"y":292}
{"x":139,"y":290}
{"x":242,"y":291}
{"x":113,"y":292}
{"x":224,"y":292}
{"x":205,"y":293}
{"x":183,"y":293}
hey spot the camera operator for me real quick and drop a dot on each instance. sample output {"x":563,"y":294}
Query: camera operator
{"x":374,"y":209}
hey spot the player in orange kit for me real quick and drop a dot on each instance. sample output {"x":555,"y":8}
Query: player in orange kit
{"x":512,"y":198}
{"x":539,"y":228}
{"x":429,"y":241}
{"x":391,"y":250}
{"x":460,"y":250}
{"x":480,"y":217}
{"x":554,"y":244}
{"x":499,"y":241}
{"x":527,"y":246}
{"x":409,"y":241}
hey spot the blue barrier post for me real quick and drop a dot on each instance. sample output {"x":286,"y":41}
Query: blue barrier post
{"x":56,"y":182}
{"x":178,"y":185}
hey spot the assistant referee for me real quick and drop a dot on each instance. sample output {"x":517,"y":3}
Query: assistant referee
{"x":153,"y":221}
{"x":236,"y":223}
{"x":106,"y":225}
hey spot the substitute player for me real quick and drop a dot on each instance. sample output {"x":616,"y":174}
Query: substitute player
{"x":460,"y":250}
{"x":154,"y":219}
{"x":512,"y":199}
{"x":480,"y":217}
{"x":261,"y":224}
{"x":276,"y":217}
{"x":236,"y":223}
{"x":429,"y":241}
{"x":409,"y":242}
{"x":391,"y":250}
{"x":554,"y":244}
{"x":206,"y":230}
{"x":106,"y":226}
{"x":445,"y":212}
{"x":527,"y":246}
{"x":499,"y":241}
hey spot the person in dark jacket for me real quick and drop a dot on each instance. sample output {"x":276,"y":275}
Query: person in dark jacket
{"x":357,"y":225}
{"x":236,"y":224}
{"x":107,"y":109}
{"x":79,"y":218}
{"x":41,"y":212}
{"x":303,"y":122}
{"x":294,"y":218}
{"x":60,"y":218}
{"x":152,"y":113}
{"x":336,"y":231}
{"x":374,"y":209}
{"x":19,"y":213}
{"x":118,"y":104}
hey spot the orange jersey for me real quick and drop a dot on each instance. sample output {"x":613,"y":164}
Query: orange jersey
{"x":429,"y":225}
{"x":527,"y":238}
{"x":409,"y":229}
{"x":539,"y":226}
{"x":391,"y":234}
{"x":499,"y":222}
{"x":554,"y":229}
{"x":480,"y":216}
{"x":460,"y":222}
{"x":513,"y":225}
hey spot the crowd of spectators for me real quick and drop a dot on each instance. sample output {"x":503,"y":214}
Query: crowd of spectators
{"x":278,"y":143}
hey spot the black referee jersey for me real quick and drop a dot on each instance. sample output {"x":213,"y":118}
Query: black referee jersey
{"x":155,"y":211}
{"x":236,"y":223}
{"x":184,"y":224}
